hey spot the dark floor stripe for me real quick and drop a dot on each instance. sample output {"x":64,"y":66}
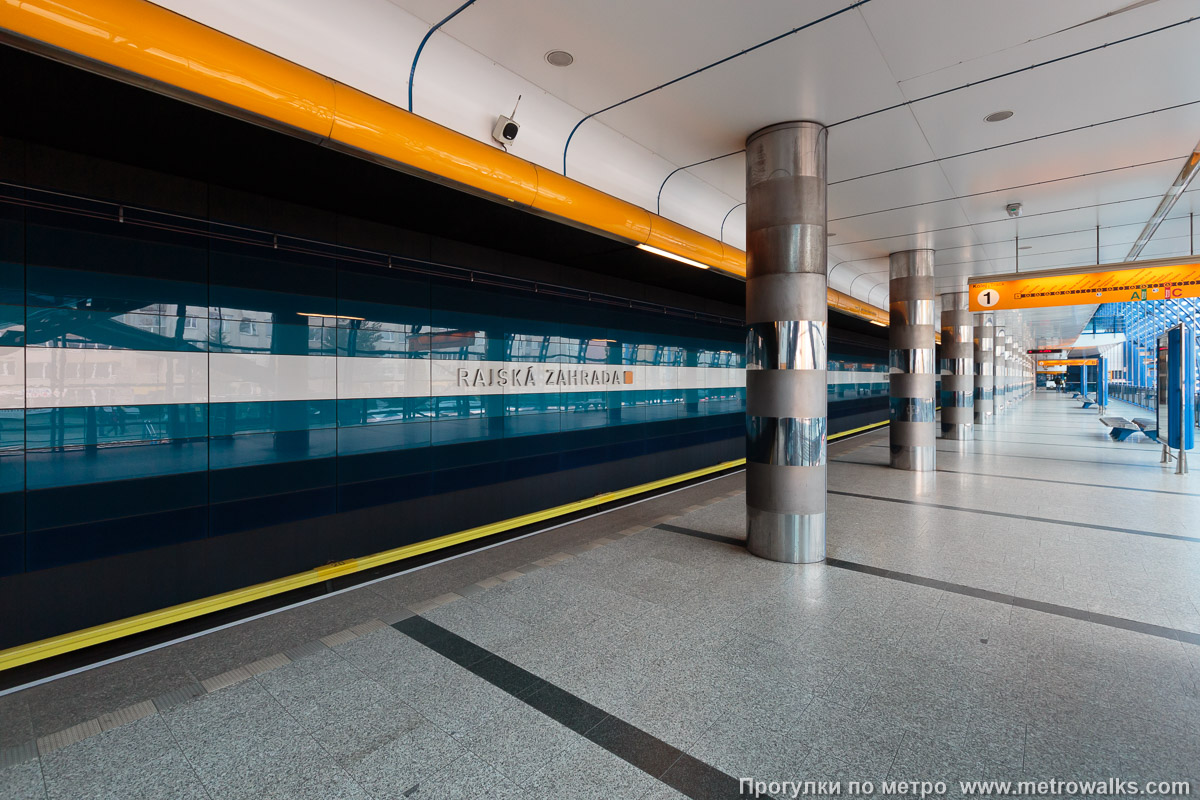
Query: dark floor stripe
{"x":1049,"y":520}
{"x":715,"y":537}
{"x":648,"y":753}
{"x":1033,"y":480}
{"x":1093,"y":462}
{"x":1160,"y":631}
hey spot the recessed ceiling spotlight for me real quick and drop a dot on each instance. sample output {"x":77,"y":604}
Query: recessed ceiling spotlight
{"x":560,"y":58}
{"x":998,"y":116}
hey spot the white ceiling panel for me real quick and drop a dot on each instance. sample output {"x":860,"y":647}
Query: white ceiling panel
{"x":889,"y":190}
{"x":965,"y":31}
{"x":806,"y":76}
{"x":1045,"y":48}
{"x":1068,"y":94}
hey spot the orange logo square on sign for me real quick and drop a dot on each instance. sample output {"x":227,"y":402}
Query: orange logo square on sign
{"x":628,"y":376}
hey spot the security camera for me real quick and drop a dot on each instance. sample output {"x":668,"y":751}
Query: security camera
{"x":506,"y":128}
{"x":1013,"y":209}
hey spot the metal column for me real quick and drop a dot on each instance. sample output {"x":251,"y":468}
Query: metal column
{"x":957,"y":367}
{"x":786,"y":357}
{"x":1010,"y":373}
{"x":984,"y":369}
{"x":998,"y":371}
{"x":910,"y":337}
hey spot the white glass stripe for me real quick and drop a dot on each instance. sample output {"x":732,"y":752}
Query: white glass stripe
{"x":12,"y":377}
{"x":250,"y":377}
{"x":58,"y":377}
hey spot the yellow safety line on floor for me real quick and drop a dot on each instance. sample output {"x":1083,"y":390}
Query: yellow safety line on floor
{"x":67,"y":642}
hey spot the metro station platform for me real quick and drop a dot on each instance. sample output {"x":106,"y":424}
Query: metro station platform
{"x":1029,"y":611}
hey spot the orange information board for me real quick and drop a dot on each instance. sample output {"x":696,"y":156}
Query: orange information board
{"x":1070,"y":362}
{"x":1087,"y":288}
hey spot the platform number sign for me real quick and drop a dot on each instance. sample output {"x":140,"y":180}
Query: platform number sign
{"x":988,"y":298}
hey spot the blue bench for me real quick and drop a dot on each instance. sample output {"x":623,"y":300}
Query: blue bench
{"x":1121,"y":428}
{"x":1148,"y":426}
{"x":1087,"y":402}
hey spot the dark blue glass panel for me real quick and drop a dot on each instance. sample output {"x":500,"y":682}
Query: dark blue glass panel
{"x":383,"y":313}
{"x":249,"y":449}
{"x":249,"y":281}
{"x":227,"y":419}
{"x":12,"y":551}
{"x":493,"y":312}
{"x":73,"y":543}
{"x":105,"y":425}
{"x":47,"y":468}
{"x":81,"y":263}
{"x":12,"y":257}
{"x":66,"y":506}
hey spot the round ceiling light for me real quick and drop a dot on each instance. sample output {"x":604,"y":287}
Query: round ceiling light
{"x":998,"y":116}
{"x":560,"y":58}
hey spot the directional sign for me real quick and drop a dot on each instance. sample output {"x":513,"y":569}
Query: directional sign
{"x":1069,"y":362}
{"x":1159,"y":282}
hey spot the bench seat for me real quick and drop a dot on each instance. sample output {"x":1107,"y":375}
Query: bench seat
{"x":1148,"y":426}
{"x":1122,"y":428}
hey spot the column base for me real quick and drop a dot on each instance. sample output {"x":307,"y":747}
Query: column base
{"x":958,"y":430}
{"x":788,"y":538}
{"x":983,"y":418}
{"x":914,"y":459}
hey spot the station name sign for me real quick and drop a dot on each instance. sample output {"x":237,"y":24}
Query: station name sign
{"x":538,"y":377}
{"x":1155,"y":281}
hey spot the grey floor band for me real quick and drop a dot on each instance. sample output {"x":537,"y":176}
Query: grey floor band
{"x":1006,"y":514}
{"x":687,"y":775}
{"x":1161,"y":631}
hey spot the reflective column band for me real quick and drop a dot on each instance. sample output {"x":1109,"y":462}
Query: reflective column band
{"x":910,"y":337}
{"x":983,"y":368}
{"x":1010,"y":374}
{"x":957,"y":367}
{"x":998,"y":361}
{"x":786,"y":351}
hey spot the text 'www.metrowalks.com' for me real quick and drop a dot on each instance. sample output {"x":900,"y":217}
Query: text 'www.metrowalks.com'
{"x":1107,"y":787}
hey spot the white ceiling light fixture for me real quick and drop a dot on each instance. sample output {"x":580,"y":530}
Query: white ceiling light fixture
{"x":998,"y":116}
{"x":1167,"y":203}
{"x":672,"y":256}
{"x":559,"y":58}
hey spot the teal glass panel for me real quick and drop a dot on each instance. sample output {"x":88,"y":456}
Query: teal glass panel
{"x":229,"y":419}
{"x":107,"y":425}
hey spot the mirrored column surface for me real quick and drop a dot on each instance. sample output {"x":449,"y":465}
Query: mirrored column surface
{"x":957,"y":367}
{"x":787,"y":317}
{"x":911,"y":341}
{"x":998,"y":371}
{"x":983,"y":368}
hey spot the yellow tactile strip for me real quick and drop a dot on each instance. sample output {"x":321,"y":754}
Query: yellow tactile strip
{"x":12,"y":756}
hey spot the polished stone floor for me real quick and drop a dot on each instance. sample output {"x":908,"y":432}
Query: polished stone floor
{"x":1027,"y":612}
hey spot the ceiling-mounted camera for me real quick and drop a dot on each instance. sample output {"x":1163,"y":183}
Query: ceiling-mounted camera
{"x":1013,"y":209}
{"x":506,"y":128}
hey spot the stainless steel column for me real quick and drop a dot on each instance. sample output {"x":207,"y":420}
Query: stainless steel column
{"x":910,"y":337}
{"x":1010,"y":374}
{"x":998,"y":371}
{"x":786,"y":355}
{"x":957,"y":367}
{"x":984,"y":369}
